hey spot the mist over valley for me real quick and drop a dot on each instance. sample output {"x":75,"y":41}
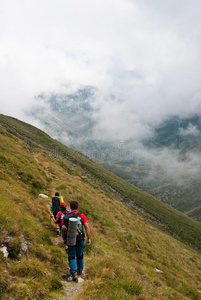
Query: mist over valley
{"x":164,"y":160}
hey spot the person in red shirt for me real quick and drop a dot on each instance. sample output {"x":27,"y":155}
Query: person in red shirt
{"x":58,"y":217}
{"x":78,"y":249}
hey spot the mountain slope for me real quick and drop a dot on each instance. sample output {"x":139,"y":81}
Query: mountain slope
{"x":170,"y":220}
{"x":181,"y":193}
{"x":68,"y":117}
{"x":177,"y":133}
{"x":129,"y":258}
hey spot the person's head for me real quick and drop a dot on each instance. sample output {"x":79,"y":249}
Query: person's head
{"x":74,"y":205}
{"x":57,"y":194}
{"x":63,"y":206}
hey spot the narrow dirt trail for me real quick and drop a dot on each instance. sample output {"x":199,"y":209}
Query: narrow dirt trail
{"x":70,"y":287}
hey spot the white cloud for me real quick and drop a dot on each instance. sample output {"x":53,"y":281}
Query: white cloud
{"x":142,"y":56}
{"x":190,"y":130}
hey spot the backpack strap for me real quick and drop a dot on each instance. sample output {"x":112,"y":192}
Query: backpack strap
{"x":76,"y":215}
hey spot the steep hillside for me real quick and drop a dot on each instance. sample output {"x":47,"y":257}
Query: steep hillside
{"x":164,"y":216}
{"x":129,"y":257}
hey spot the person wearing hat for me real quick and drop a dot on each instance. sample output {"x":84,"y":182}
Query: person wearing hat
{"x":63,"y":210}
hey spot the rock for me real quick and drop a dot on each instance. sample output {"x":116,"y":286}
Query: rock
{"x":158,"y":271}
{"x":43,"y":195}
{"x":4,"y":251}
{"x":24,"y":245}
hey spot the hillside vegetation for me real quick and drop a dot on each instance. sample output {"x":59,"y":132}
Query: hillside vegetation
{"x":169,"y":219}
{"x":129,"y":257}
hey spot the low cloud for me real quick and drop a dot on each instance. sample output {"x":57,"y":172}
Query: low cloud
{"x":190,"y":130}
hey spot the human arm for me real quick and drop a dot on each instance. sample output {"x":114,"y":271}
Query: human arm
{"x":87,"y":229}
{"x":55,"y":220}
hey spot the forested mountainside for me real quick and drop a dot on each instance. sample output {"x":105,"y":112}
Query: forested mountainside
{"x":141,"y":248}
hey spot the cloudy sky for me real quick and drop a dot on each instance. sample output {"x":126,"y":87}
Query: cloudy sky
{"x":143,"y":56}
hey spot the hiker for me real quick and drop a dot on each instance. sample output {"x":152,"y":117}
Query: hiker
{"x":55,"y":208}
{"x":59,"y":215}
{"x":78,"y":249}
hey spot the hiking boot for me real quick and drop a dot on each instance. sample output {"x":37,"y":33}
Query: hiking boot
{"x":80,"y":273}
{"x":75,"y":278}
{"x":58,"y":232}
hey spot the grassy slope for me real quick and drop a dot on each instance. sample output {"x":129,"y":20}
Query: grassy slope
{"x":125,"y":248}
{"x":172,"y":221}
